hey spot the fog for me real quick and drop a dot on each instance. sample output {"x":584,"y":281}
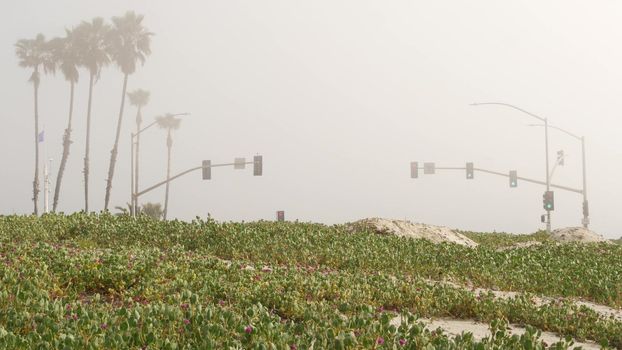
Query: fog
{"x":339,"y":97}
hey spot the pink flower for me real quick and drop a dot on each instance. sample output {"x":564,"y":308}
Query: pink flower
{"x":221,"y":302}
{"x":103,"y":326}
{"x":248,"y":329}
{"x":402,"y":342}
{"x":186,"y":321}
{"x":380,"y":341}
{"x":185,"y":306}
{"x":293,"y":347}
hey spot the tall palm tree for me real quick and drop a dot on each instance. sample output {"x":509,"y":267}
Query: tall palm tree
{"x":35,"y":53}
{"x":138,"y":98}
{"x":130,"y":43}
{"x":92,"y":43}
{"x":170,"y":123}
{"x":66,"y":55}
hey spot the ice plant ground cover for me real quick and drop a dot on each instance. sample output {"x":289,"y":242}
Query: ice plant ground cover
{"x":106,"y":282}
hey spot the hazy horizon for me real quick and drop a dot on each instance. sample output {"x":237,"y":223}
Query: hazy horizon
{"x":339,"y":97}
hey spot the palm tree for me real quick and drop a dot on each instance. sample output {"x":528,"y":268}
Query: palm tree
{"x":91,"y":41}
{"x":66,"y":55}
{"x":138,"y":98}
{"x":130,"y":43}
{"x":35,"y":53}
{"x":170,"y":123}
{"x":152,"y":210}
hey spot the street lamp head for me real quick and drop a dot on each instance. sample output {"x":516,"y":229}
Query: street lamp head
{"x":176,"y":114}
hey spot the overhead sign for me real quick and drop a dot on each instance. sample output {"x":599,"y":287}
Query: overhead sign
{"x":429,"y":168}
{"x":239,"y":163}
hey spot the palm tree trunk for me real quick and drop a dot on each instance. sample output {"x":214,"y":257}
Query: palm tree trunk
{"x":169,"y":145}
{"x":35,"y":183}
{"x":66,"y":145}
{"x":113,"y":153}
{"x":139,"y":120}
{"x":86,"y":152}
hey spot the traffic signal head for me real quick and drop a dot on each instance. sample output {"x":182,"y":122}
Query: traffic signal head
{"x":414,"y":170}
{"x":513,"y":178}
{"x":548,"y":200}
{"x":560,"y":158}
{"x":469,"y":171}
{"x":257,"y":166}
{"x":207,"y":169}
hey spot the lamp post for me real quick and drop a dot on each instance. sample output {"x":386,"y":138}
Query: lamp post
{"x":134,"y":160}
{"x":586,"y":214}
{"x":546,"y":146}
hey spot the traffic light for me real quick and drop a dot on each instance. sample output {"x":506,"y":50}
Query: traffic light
{"x":513,"y":178}
{"x":549,"y":200}
{"x":207,"y":170}
{"x":560,"y":157}
{"x":257,"y":165}
{"x":469,"y":171}
{"x":414,"y":170}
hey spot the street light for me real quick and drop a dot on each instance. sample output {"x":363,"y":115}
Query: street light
{"x":586,"y":215}
{"x":134,"y":171}
{"x":546,"y":146}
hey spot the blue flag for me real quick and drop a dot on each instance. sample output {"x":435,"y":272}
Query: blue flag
{"x":41,"y":134}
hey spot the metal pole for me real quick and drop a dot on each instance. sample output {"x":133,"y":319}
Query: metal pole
{"x":586,"y":218}
{"x":46,"y":186}
{"x":548,"y":178}
{"x":132,"y":204}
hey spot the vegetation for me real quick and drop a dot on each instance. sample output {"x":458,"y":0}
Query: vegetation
{"x":34,"y":54}
{"x":152,"y":210}
{"x":66,"y":56}
{"x":103,"y":281}
{"x":138,"y":98}
{"x":504,"y":240}
{"x":129,"y":44}
{"x":169,"y":123}
{"x":92,"y":46}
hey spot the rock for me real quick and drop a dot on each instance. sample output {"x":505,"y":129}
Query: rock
{"x":576,"y":234}
{"x":402,"y":228}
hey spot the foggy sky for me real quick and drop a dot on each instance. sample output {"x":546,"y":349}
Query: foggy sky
{"x":338,"y":96}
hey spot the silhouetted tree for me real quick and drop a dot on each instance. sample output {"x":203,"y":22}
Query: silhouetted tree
{"x":130,"y":43}
{"x":66,"y":55}
{"x":170,"y":123}
{"x":152,"y":210}
{"x":91,"y":40}
{"x":33,"y":54}
{"x":138,"y":98}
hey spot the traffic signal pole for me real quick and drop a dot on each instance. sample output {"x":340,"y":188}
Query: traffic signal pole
{"x":548,"y":175}
{"x":161,"y":183}
{"x":415,"y":170}
{"x":546,"y":145}
{"x":586,"y":211}
{"x":538,"y":182}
